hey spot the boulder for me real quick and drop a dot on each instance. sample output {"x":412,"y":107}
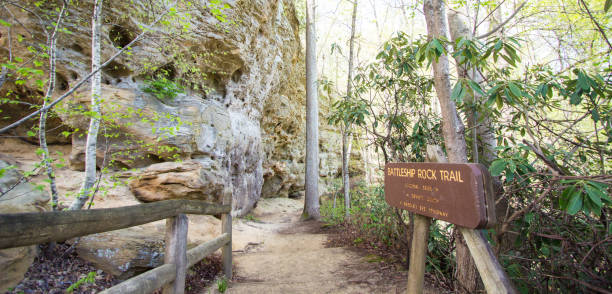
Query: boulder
{"x":196,"y":180}
{"x":17,"y":197}
{"x":131,"y":251}
{"x":123,"y":253}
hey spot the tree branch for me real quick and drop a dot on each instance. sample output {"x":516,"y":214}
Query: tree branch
{"x":550,"y":163}
{"x":501,"y":25}
{"x":603,"y":34}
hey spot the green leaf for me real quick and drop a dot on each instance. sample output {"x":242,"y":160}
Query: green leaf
{"x":476,"y":87}
{"x":575,"y":203}
{"x":593,"y":195}
{"x":4,"y":23}
{"x":498,"y":45}
{"x":607,"y":5}
{"x":601,"y":190}
{"x":500,"y":102}
{"x":576,"y":98}
{"x":583,"y":83}
{"x":595,"y":115}
{"x":491,"y":100}
{"x":515,"y":90}
{"x":439,"y":48}
{"x":565,"y":196}
{"x":497,"y":167}
{"x":458,"y":93}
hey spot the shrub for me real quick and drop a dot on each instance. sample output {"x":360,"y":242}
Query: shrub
{"x":163,"y":88}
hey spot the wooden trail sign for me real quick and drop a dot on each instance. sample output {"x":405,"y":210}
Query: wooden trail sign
{"x":457,"y":193}
{"x":493,"y":276}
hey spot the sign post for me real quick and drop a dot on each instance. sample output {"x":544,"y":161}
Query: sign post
{"x":457,"y":193}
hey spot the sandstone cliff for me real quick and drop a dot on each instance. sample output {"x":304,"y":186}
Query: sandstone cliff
{"x":238,"y":123}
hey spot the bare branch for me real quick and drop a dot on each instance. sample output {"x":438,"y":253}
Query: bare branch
{"x":603,"y":33}
{"x":501,"y":25}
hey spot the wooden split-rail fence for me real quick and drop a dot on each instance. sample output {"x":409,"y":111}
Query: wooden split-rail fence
{"x":22,"y":229}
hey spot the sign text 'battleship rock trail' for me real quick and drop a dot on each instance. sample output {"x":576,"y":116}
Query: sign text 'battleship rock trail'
{"x":457,"y":193}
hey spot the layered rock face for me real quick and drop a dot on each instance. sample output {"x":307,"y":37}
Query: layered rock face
{"x":240,"y":117}
{"x":17,"y":196}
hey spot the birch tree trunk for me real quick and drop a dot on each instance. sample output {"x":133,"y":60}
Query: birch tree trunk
{"x":42,"y":126}
{"x":311,"y":203}
{"x":346,"y":135}
{"x":458,"y":28}
{"x":453,"y":131}
{"x":86,"y":190}
{"x":480,"y":124}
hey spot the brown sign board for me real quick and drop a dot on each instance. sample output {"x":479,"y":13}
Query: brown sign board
{"x":457,"y":193}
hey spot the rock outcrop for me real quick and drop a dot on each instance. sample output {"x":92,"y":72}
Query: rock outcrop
{"x":127,"y":252}
{"x":179,"y":180}
{"x":123,"y":253}
{"x":240,"y":110}
{"x":17,"y":196}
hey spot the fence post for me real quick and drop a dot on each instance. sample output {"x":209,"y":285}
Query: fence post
{"x":226,"y":227}
{"x":176,"y":252}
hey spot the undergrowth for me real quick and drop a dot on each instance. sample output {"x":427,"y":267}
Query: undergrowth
{"x":373,"y":224}
{"x":544,"y":237}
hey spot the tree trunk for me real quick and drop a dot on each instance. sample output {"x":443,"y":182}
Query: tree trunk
{"x":346,"y":135}
{"x":481,"y":124}
{"x":94,"y":123}
{"x":346,"y":156}
{"x":311,"y":203}
{"x":42,"y":127}
{"x":453,"y":131}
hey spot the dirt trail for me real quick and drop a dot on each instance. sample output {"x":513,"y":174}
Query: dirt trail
{"x":275,"y":252}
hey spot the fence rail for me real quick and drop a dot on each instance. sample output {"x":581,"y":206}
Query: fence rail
{"x":22,"y":229}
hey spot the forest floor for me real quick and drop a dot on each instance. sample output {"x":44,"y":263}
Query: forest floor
{"x":282,"y":254}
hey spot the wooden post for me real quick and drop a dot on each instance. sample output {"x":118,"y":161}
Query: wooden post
{"x":493,"y":275}
{"x":226,"y":228}
{"x":420,"y":235}
{"x":176,"y":252}
{"x":418,"y":254}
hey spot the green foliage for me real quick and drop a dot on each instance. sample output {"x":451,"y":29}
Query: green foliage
{"x":250,"y":217}
{"x":162,"y":88}
{"x":89,"y":279}
{"x":348,"y":112}
{"x":586,"y":196}
{"x":4,"y":169}
{"x":217,"y":7}
{"x":432,"y":50}
{"x":392,"y":101}
{"x":222,"y":285}
{"x":371,"y":216}
{"x":440,"y":257}
{"x":332,"y":208}
{"x":543,"y":121}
